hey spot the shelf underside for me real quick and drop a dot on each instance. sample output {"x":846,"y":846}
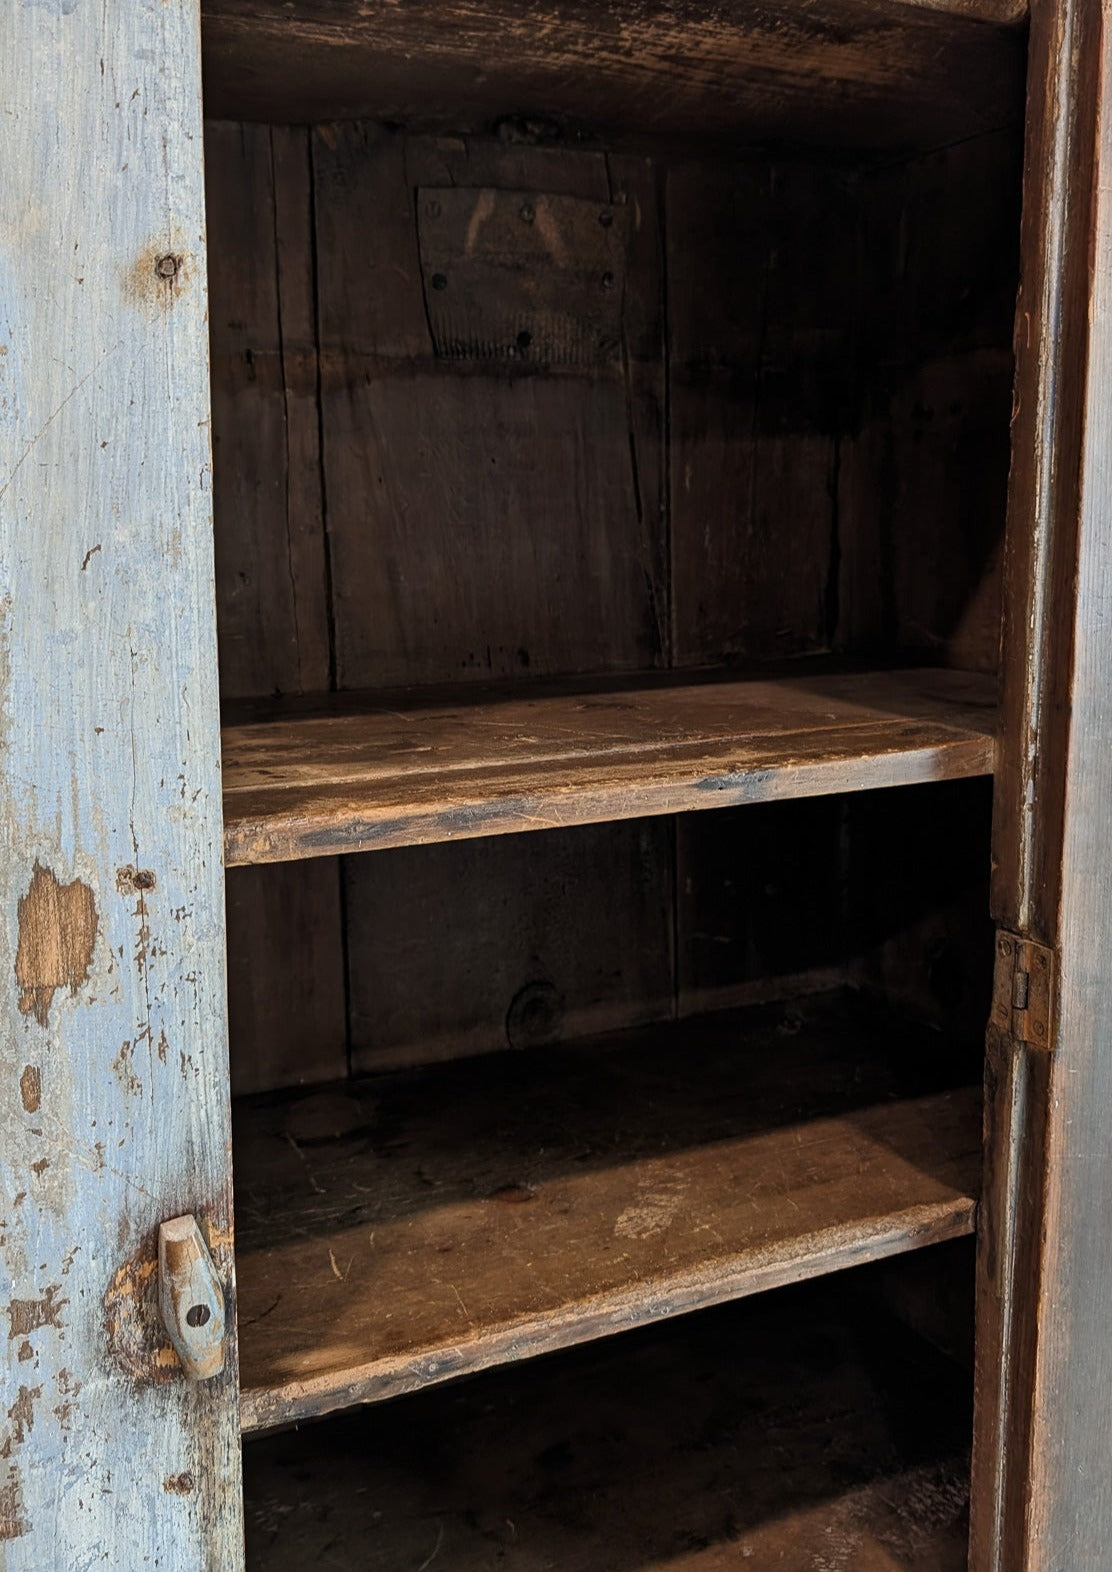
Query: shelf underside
{"x":801,"y":1433}
{"x":858,"y":73}
{"x":413,"y":768}
{"x":413,"y":1227}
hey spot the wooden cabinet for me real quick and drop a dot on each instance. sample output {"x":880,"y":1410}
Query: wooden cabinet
{"x":637,"y":651}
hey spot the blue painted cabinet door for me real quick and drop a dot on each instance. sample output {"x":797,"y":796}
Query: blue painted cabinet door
{"x":113,"y":1058}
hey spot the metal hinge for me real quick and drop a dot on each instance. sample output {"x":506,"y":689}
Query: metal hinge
{"x":1023,"y":990}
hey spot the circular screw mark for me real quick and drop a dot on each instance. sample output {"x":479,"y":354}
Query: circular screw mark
{"x":167,"y":266}
{"x":606,"y":218}
{"x":198,"y":1315}
{"x":1040,"y":1029}
{"x":439,"y":281}
{"x":607,"y":281}
{"x":527,"y":212}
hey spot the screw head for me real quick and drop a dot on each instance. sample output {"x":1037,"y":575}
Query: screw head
{"x":527,"y":212}
{"x":1040,"y":1029}
{"x":607,"y":280}
{"x":198,"y":1315}
{"x":439,"y":281}
{"x":167,"y":266}
{"x":1005,"y":947}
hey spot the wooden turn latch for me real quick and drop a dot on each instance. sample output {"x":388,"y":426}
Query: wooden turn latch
{"x":190,"y":1298}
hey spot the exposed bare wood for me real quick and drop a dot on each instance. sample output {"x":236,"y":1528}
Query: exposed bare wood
{"x":853,"y":72}
{"x":407,"y":771}
{"x":413,"y":1227}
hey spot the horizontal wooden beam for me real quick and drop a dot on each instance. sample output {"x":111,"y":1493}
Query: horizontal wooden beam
{"x":856,"y":72}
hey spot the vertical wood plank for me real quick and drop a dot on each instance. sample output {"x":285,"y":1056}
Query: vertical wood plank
{"x":286,"y":989}
{"x":1041,"y":1494}
{"x":483,"y":521}
{"x":113,"y":1055}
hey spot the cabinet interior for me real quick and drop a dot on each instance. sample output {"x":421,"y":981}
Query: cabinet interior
{"x":611,"y":441}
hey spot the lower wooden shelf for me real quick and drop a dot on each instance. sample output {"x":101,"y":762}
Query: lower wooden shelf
{"x":802,"y":1432}
{"x":424,"y":1224}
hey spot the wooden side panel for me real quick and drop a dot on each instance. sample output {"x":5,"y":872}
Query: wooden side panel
{"x":286,"y":988}
{"x":113,"y":1054}
{"x":922,"y":482}
{"x":287,"y":995}
{"x":1041,"y":1497}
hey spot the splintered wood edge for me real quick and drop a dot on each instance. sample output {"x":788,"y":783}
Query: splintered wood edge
{"x":811,"y":1255}
{"x":291,"y":835}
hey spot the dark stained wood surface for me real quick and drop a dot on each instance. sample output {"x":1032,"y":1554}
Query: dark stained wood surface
{"x":854,"y":73}
{"x":407,"y":771}
{"x":802,"y":1432}
{"x":409,"y":1228}
{"x":515,"y":941}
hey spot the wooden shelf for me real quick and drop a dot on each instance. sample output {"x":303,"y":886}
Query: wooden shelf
{"x":804,"y":1432}
{"x":412,"y":768}
{"x":428,"y":1223}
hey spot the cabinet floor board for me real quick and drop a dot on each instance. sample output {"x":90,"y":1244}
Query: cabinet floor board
{"x":805,"y":1431}
{"x":352,"y":774}
{"x":411,"y":1227}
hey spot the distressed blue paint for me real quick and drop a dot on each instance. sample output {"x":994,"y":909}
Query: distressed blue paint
{"x":113,"y":1096}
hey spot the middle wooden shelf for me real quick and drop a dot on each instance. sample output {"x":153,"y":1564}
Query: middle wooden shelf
{"x":407,"y":1228}
{"x":309,"y":778}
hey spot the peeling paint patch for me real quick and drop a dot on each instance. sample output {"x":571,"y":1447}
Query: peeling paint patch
{"x":27,"y":1315}
{"x":57,"y":932}
{"x":30,"y":1088}
{"x":132,"y":1320}
{"x":26,"y":1352}
{"x":13,"y":1524}
{"x":124,"y":1071}
{"x":179,"y":1484}
{"x":22,"y":1412}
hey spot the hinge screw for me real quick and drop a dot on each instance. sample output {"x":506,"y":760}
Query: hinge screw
{"x":1005,"y":947}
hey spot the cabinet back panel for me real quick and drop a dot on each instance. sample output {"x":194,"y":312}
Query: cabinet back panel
{"x":798,"y":445}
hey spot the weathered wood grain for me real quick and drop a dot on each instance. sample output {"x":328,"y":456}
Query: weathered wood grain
{"x":388,"y":773}
{"x":113,"y":1054}
{"x":856,"y":73}
{"x":413,"y":1227}
{"x":805,"y":1432}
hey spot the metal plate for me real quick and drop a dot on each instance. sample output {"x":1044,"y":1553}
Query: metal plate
{"x":520,"y":276}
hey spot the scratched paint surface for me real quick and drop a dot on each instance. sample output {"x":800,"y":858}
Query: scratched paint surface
{"x":113,"y":1055}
